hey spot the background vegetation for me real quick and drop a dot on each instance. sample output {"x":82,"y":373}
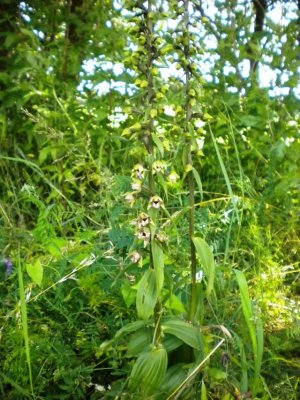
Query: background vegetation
{"x":149,"y":208}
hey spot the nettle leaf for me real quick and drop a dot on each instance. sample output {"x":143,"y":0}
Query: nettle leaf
{"x":35,"y":271}
{"x":147,"y":294}
{"x":184,"y":331}
{"x":207,"y":261}
{"x":148,"y":371}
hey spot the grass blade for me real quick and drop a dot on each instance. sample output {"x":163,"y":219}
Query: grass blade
{"x":225,"y":174}
{"x":24,"y":322}
{"x":254,"y":327}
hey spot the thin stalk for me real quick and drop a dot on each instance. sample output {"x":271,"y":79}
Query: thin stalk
{"x":191,"y":186}
{"x":149,"y":142}
{"x":150,"y":92}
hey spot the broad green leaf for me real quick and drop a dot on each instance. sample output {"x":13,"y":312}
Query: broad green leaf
{"x":173,"y":303}
{"x":158,"y":262}
{"x":138,"y":343}
{"x":171,"y":342}
{"x":148,"y":372}
{"x":184,"y":331}
{"x":174,"y":377}
{"x":131,"y":327}
{"x":35,"y":271}
{"x":128,"y":293}
{"x":207,"y":261}
{"x":146,"y":295}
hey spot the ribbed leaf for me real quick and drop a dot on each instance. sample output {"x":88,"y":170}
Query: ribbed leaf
{"x":138,"y":343}
{"x":173,"y":378}
{"x":148,"y":372}
{"x":171,"y":342}
{"x":131,"y":327}
{"x":207,"y":261}
{"x":146,"y":295}
{"x":184,"y":331}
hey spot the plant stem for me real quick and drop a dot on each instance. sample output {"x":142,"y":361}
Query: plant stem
{"x":150,"y":92}
{"x":149,"y":142}
{"x":191,"y":188}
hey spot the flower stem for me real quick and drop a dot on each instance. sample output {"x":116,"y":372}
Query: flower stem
{"x":188,"y":112}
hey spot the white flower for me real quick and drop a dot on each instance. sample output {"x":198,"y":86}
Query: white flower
{"x":200,"y":142}
{"x":199,"y":123}
{"x":199,"y":276}
{"x":169,"y":111}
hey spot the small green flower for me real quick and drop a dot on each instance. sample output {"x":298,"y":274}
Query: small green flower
{"x":161,"y":237}
{"x":136,"y":186}
{"x":129,"y":198}
{"x":138,"y":172}
{"x":144,"y":235}
{"x":135,"y":257}
{"x":172,"y":177}
{"x":143,"y":220}
{"x":158,"y":166}
{"x":155,"y":202}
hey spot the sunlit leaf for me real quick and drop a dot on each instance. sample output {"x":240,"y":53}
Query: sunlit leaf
{"x":35,"y":271}
{"x":147,"y":294}
{"x":184,"y":331}
{"x":207,"y":261}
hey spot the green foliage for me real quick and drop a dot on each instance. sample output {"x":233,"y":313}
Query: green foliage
{"x":136,"y":187}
